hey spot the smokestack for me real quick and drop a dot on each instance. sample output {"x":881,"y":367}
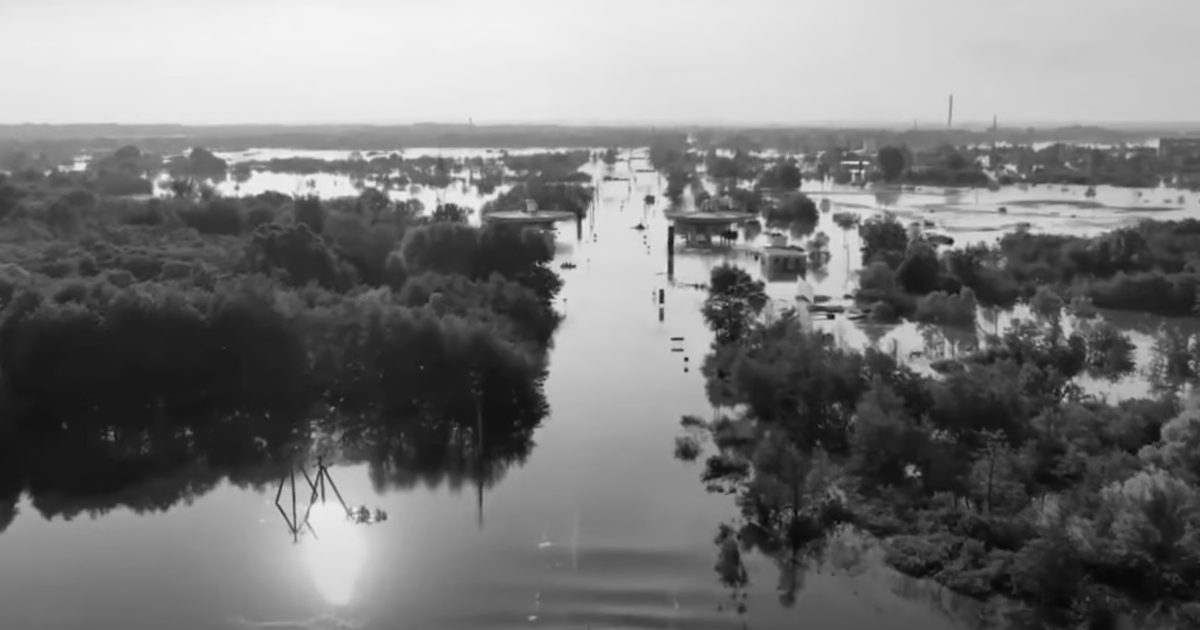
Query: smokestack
{"x":994,"y":119}
{"x":950,"y":115}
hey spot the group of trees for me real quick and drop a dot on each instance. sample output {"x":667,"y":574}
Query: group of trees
{"x":191,"y":340}
{"x":571,"y":197}
{"x":997,"y":476}
{"x":1129,"y":165}
{"x":128,"y":171}
{"x":1150,"y":267}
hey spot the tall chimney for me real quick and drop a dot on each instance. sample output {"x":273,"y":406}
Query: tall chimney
{"x":950,"y":115}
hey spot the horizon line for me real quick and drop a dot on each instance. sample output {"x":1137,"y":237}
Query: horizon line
{"x":918,"y":125}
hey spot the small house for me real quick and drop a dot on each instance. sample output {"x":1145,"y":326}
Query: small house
{"x":788,"y":261}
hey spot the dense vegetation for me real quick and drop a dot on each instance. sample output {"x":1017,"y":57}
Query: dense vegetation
{"x":996,"y":477}
{"x":190,"y":340}
{"x":1150,"y":267}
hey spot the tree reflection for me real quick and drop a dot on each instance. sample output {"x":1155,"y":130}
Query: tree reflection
{"x":440,"y":437}
{"x":95,"y":468}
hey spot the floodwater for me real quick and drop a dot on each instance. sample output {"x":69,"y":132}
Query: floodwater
{"x":600,"y":528}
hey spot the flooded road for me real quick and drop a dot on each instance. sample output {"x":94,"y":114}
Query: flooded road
{"x":600,"y":528}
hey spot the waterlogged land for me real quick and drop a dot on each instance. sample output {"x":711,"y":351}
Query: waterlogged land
{"x":555,"y":501}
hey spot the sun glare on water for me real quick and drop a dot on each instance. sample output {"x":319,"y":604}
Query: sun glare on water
{"x":334,"y":557}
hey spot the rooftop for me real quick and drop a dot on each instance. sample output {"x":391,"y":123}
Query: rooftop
{"x":783,"y":250}
{"x":537,"y":217}
{"x":715,"y":216}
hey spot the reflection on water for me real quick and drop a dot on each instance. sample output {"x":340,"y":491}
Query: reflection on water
{"x":335,"y":555}
{"x":597,"y":526}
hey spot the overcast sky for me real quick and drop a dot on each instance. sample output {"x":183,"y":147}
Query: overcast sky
{"x":653,"y":61}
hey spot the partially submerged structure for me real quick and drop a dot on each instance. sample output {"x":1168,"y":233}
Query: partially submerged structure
{"x":531,"y":216}
{"x":780,"y":262}
{"x":704,"y":226}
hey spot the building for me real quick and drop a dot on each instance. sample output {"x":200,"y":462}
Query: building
{"x":705,"y":228}
{"x":531,"y":217}
{"x":857,"y":167}
{"x":785,"y":262}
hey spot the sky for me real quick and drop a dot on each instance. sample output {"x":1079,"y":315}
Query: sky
{"x":598,"y":61}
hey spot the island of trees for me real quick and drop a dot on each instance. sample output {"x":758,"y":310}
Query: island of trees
{"x":997,"y":476}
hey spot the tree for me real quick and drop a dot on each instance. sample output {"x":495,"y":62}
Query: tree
{"x":789,"y":176}
{"x":372,"y":203}
{"x":797,"y":212}
{"x":450,"y":213}
{"x":734,"y":302}
{"x":678,"y":181}
{"x":818,"y":251}
{"x":918,"y":274}
{"x":310,"y":212}
{"x":880,"y":235}
{"x":884,"y":438}
{"x":183,"y":187}
{"x":891,"y":162}
{"x":203,"y":163}
{"x":295,"y":252}
{"x":520,"y":255}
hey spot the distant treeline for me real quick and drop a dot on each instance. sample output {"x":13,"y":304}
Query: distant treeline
{"x":174,"y":138}
{"x":165,"y":138}
{"x":809,"y":139}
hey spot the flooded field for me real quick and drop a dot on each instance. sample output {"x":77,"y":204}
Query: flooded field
{"x":600,"y":527}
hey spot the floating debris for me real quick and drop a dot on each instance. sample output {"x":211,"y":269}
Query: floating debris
{"x":362,"y":515}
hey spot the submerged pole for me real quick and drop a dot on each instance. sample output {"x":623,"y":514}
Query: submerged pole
{"x":671,"y":252}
